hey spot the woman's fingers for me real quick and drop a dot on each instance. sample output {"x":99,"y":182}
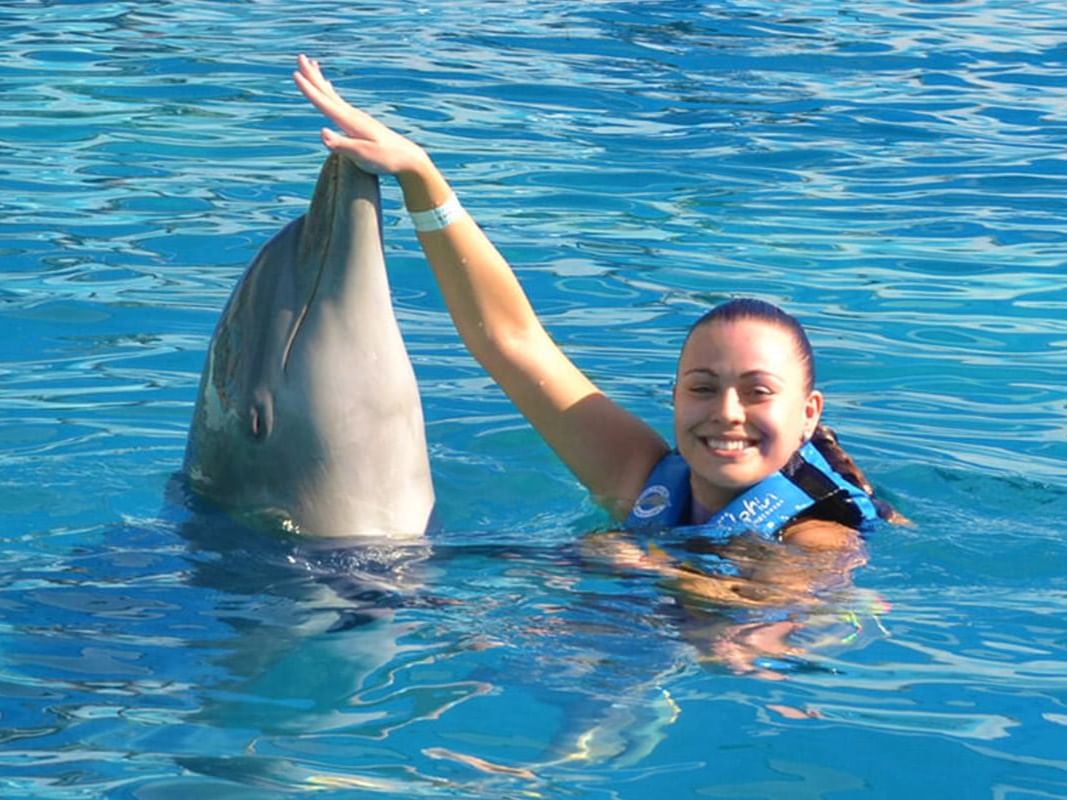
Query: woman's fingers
{"x":360,"y":150}
{"x":330,"y":105}
{"x":311,"y":68}
{"x":374,"y":146}
{"x":310,"y":79}
{"x":344,"y":144}
{"x":320,"y":92}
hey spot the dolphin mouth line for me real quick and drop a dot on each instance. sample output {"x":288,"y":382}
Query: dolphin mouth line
{"x":328,"y":241}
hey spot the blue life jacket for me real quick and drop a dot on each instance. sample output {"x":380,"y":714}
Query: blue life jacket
{"x":806,"y":483}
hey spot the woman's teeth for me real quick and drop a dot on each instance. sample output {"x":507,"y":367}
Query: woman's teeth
{"x":726,"y":444}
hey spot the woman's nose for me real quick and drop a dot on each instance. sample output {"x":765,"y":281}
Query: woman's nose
{"x":730,"y":408}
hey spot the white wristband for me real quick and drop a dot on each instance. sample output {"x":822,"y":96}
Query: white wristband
{"x":438,"y":218}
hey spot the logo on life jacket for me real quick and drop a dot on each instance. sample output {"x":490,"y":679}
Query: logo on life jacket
{"x":653,"y":500}
{"x":757,"y":513}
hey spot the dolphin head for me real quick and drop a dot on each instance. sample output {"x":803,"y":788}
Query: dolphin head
{"x":308,"y":414}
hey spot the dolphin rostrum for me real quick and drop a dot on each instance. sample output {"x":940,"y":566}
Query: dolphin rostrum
{"x":308,"y":415}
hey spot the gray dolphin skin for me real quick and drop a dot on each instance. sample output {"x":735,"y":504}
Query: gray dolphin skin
{"x":308,"y":417}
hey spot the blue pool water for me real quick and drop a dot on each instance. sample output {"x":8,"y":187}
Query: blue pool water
{"x":892,"y":172}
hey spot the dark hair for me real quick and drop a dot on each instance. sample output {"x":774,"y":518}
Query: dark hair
{"x":740,"y":308}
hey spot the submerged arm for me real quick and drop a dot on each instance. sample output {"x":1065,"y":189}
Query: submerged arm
{"x":609,"y":450}
{"x":779,"y":589}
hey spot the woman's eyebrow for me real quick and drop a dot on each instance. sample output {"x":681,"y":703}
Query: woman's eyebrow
{"x":752,"y":373}
{"x":761,"y":373}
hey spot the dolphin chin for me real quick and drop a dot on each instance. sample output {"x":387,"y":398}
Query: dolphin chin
{"x":308,"y":416}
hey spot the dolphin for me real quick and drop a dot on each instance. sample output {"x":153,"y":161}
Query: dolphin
{"x":308,"y":417}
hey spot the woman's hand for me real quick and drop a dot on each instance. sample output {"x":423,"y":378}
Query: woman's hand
{"x":374,"y":147}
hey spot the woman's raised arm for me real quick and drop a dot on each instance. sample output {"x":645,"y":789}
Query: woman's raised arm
{"x":610,"y":450}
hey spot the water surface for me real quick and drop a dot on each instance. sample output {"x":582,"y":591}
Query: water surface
{"x":891,"y":172}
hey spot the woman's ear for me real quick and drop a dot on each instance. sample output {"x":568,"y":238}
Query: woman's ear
{"x":812,"y":413}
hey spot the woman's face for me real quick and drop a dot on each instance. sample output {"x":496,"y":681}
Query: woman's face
{"x":741,"y":406}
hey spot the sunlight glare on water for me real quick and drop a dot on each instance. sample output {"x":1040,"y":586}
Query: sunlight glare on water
{"x":891,"y":172}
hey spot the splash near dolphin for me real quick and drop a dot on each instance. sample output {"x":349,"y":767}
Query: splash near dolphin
{"x":308,"y":415}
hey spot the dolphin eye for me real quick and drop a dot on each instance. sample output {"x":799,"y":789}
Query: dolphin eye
{"x":260,"y":420}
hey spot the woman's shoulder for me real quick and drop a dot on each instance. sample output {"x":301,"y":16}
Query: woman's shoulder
{"x":813,"y":533}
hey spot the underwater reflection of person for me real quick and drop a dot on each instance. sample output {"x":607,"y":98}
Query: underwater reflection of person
{"x":750,"y":458}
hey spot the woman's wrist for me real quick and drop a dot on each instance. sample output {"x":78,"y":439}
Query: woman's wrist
{"x":423,"y":186}
{"x":439,"y":217}
{"x":427,"y":196}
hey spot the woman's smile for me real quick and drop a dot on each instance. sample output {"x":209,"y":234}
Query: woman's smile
{"x":733,"y":447}
{"x":741,"y":406}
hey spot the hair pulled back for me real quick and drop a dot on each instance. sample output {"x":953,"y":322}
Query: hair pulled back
{"x":744,"y":308}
